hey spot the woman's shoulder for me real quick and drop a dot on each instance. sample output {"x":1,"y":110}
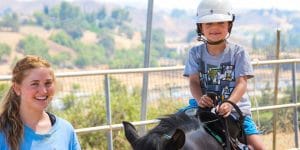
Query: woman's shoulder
{"x":63,"y":122}
{"x":2,"y":141}
{"x":1,"y":136}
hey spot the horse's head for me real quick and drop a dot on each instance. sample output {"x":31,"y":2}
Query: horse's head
{"x":154,"y":140}
{"x":174,"y":132}
{"x":185,"y":131}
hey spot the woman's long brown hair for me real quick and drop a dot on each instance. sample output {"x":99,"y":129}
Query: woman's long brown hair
{"x":10,"y":122}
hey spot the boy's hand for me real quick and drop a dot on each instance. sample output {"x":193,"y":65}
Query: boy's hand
{"x":205,"y":101}
{"x":224,"y":110}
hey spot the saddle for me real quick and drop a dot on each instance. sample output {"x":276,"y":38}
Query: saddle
{"x":229,"y":131}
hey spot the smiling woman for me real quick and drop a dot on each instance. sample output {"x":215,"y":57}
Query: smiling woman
{"x":24,"y":123}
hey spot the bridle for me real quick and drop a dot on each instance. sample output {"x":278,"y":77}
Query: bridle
{"x":211,"y":113}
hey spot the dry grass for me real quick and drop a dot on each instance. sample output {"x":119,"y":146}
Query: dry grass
{"x":10,"y":38}
{"x":125,"y":43}
{"x":37,"y":31}
{"x":89,"y":37}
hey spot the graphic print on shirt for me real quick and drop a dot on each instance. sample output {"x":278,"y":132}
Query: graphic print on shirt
{"x":220,"y":80}
{"x":214,"y":75}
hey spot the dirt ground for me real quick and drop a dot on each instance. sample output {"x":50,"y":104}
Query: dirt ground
{"x":284,"y":141}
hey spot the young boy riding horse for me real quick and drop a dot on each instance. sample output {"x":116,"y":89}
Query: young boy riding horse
{"x":220,"y":66}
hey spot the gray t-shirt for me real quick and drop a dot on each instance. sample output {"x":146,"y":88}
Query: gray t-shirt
{"x":219,"y":74}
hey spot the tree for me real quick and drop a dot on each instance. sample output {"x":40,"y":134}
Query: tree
{"x":158,"y":39}
{"x":61,"y":59}
{"x":120,"y":16}
{"x":46,"y":10}
{"x":68,"y":12}
{"x":62,"y":38}
{"x":71,"y":20}
{"x":109,"y":45}
{"x":128,"y":58}
{"x":127,"y":30}
{"x":4,"y":50}
{"x":10,"y":20}
{"x":3,"y":88}
{"x":101,"y":14}
{"x":90,"y":55}
{"x":33,"y":45}
{"x":74,"y":30}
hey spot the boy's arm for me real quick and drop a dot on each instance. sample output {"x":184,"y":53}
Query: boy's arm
{"x":239,"y":90}
{"x":195,"y":88}
{"x":236,"y":96}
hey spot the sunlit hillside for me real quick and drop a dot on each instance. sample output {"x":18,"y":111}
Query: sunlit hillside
{"x":107,"y":35}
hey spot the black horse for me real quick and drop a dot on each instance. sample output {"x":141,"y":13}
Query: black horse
{"x":174,"y":132}
{"x":187,"y":132}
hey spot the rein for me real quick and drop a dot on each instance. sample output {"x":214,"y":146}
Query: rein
{"x":240,"y":120}
{"x":207,"y":122}
{"x":223,"y":124}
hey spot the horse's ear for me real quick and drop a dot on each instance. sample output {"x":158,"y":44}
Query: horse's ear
{"x":179,"y":138}
{"x":130,"y":132}
{"x":177,"y":141}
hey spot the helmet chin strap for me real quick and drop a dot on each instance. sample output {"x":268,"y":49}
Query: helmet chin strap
{"x":211,"y":42}
{"x":216,"y":43}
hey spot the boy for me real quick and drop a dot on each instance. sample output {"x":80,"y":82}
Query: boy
{"x":220,"y":66}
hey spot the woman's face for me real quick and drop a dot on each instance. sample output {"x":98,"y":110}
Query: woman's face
{"x":215,"y":31}
{"x":36,"y":89}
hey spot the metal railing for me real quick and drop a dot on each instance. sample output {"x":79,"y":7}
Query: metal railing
{"x":110,"y":127}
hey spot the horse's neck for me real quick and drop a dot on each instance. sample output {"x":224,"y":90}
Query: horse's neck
{"x":200,"y":140}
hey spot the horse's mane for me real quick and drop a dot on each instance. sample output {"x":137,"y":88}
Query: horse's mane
{"x":169,"y":123}
{"x":167,"y":126}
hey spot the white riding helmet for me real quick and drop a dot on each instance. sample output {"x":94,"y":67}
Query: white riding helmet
{"x":214,"y":11}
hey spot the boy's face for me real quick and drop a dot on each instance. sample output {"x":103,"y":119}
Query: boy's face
{"x":215,"y":31}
